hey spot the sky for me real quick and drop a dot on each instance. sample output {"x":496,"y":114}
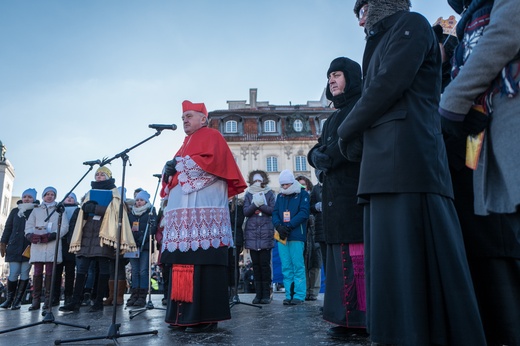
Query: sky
{"x":82,"y":80}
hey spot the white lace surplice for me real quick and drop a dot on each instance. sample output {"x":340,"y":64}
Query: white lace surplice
{"x":197,"y":214}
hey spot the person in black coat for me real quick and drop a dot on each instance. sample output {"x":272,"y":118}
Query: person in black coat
{"x":419,"y":289}
{"x":12,"y":246}
{"x":344,"y":303}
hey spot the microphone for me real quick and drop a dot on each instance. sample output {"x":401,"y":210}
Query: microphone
{"x":158,"y":175}
{"x":92,"y":163}
{"x":160,"y":127}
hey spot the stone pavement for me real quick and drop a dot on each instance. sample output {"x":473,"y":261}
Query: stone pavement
{"x":273,"y":324}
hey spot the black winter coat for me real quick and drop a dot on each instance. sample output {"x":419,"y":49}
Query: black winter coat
{"x":14,"y":236}
{"x":403,"y":148}
{"x":342,"y":216}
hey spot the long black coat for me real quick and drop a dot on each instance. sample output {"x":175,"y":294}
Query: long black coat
{"x":14,"y":236}
{"x":139,"y":236}
{"x":403,"y":148}
{"x":342,"y":215}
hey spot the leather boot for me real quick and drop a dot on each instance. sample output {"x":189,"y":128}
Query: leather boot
{"x":266,"y":293}
{"x":98,"y":302}
{"x":77,"y":294}
{"x":47,"y":292}
{"x":22,"y":286}
{"x":134,"y":294}
{"x":37,"y":292}
{"x":11,"y":291}
{"x":110,"y":298}
{"x":141,"y":299}
{"x":121,"y":289}
{"x":258,"y":291}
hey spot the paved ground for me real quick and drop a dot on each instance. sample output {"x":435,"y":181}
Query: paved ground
{"x":273,"y":324}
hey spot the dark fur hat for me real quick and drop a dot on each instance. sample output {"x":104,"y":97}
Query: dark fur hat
{"x":380,"y":9}
{"x":358,"y":5}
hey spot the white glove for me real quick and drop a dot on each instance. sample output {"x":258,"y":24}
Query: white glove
{"x":317,"y":206}
{"x":259,"y":199}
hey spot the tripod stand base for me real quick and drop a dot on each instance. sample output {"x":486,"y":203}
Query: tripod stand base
{"x":49,"y":318}
{"x":113,"y":334}
{"x":149,"y":306}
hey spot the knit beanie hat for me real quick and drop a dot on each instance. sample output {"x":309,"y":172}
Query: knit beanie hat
{"x":73,"y":196}
{"x":145,"y":196}
{"x":286,"y":177}
{"x":380,"y":9}
{"x":197,"y":107}
{"x":49,"y":188}
{"x":106,"y":171}
{"x":30,"y":192}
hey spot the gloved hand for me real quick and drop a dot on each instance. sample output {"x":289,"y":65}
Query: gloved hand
{"x":51,"y":236}
{"x":89,"y":207}
{"x":283,"y":231}
{"x":44,"y":238}
{"x":169,"y":170}
{"x":33,"y":238}
{"x":317,"y":206}
{"x":60,"y":208}
{"x":475,"y":122}
{"x":2,"y":249}
{"x":259,"y":199}
{"x":321,"y":160}
{"x":453,"y":129}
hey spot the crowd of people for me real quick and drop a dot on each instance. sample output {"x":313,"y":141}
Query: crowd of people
{"x":415,"y":219}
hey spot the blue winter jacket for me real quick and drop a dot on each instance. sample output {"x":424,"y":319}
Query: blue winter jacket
{"x":299,"y":206}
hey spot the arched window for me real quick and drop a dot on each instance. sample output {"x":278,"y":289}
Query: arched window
{"x":272,"y":164}
{"x":231,"y":126}
{"x":298,"y":125}
{"x":300,"y":163}
{"x":269,"y":126}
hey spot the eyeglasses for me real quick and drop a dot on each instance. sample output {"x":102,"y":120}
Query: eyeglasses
{"x":362,"y":12}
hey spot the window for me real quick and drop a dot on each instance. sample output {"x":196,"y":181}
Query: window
{"x":298,"y":125}
{"x":272,"y":164}
{"x":269,"y":126}
{"x":231,"y":126}
{"x":300,"y":163}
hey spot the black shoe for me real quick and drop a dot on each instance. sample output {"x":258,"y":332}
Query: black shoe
{"x":71,"y":307}
{"x":202,"y":328}
{"x":311,"y":298}
{"x":164,"y":301}
{"x":286,"y":302}
{"x":341,"y":332}
{"x":174,"y":327}
{"x":295,"y":301}
{"x":96,"y":307}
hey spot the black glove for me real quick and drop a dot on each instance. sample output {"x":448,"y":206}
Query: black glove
{"x":475,"y":122}
{"x":352,"y":151}
{"x":321,"y":160}
{"x":169,"y":170}
{"x":51,"y":236}
{"x":60,"y":209}
{"x":89,"y":207}
{"x":453,"y":129}
{"x":283,"y":231}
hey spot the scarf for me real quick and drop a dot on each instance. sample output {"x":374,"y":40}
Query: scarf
{"x":255,"y":189}
{"x":23,"y":207}
{"x":138,"y":211}
{"x":294,"y":188}
{"x":109,"y":226}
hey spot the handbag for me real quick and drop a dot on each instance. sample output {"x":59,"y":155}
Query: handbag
{"x":27,"y":251}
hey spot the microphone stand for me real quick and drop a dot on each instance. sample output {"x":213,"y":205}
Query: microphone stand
{"x":48,"y":316}
{"x":113,"y":330}
{"x":236,"y":298}
{"x":149,"y":305}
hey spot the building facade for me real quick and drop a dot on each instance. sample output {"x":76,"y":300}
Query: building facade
{"x":271,"y":138}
